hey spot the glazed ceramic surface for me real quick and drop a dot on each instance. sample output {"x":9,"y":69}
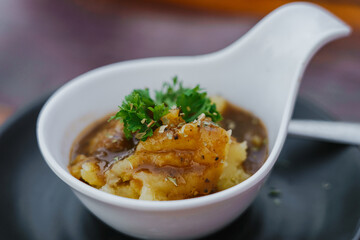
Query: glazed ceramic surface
{"x":260,"y":72}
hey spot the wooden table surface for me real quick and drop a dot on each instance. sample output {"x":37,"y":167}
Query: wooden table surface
{"x":44,"y":44}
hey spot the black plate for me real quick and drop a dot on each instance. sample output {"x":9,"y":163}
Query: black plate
{"x":316,"y":196}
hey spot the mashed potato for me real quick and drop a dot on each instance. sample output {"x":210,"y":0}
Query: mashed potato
{"x":181,"y":160}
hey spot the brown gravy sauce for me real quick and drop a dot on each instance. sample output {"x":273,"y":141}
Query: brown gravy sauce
{"x":247,"y":127}
{"x":81,"y":144}
{"x":244,"y":125}
{"x":175,"y":172}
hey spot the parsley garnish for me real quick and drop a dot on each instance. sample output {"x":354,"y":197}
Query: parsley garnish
{"x":141,"y":114}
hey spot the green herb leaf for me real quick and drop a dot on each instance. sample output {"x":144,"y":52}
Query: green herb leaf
{"x":169,"y":93}
{"x":141,"y":114}
{"x":137,"y":111}
{"x":194,"y":102}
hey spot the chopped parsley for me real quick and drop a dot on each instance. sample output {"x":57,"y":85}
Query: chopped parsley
{"x":141,"y":114}
{"x":173,"y":180}
{"x":274,"y":192}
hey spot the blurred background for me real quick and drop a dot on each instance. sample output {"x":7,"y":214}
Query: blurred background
{"x":44,"y":43}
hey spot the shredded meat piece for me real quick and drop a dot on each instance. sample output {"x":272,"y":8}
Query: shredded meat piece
{"x":180,"y":162}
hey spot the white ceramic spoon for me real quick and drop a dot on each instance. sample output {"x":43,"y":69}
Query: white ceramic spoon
{"x":341,"y":132}
{"x":260,"y":72}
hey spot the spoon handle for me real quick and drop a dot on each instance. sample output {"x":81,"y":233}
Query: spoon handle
{"x":341,"y":132}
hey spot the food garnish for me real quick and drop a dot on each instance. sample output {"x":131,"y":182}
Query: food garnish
{"x":173,"y":180}
{"x":142,"y":114}
{"x":274,"y":192}
{"x":188,"y":154}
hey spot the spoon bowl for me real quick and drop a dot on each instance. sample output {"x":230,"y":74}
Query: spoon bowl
{"x":260,"y":72}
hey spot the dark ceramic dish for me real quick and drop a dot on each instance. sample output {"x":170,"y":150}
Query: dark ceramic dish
{"x":312,"y":193}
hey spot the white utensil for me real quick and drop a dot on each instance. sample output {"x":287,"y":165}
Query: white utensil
{"x":341,"y":132}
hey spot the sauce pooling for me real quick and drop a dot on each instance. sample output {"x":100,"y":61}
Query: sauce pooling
{"x":247,"y":127}
{"x":105,"y":141}
{"x":112,"y":146}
